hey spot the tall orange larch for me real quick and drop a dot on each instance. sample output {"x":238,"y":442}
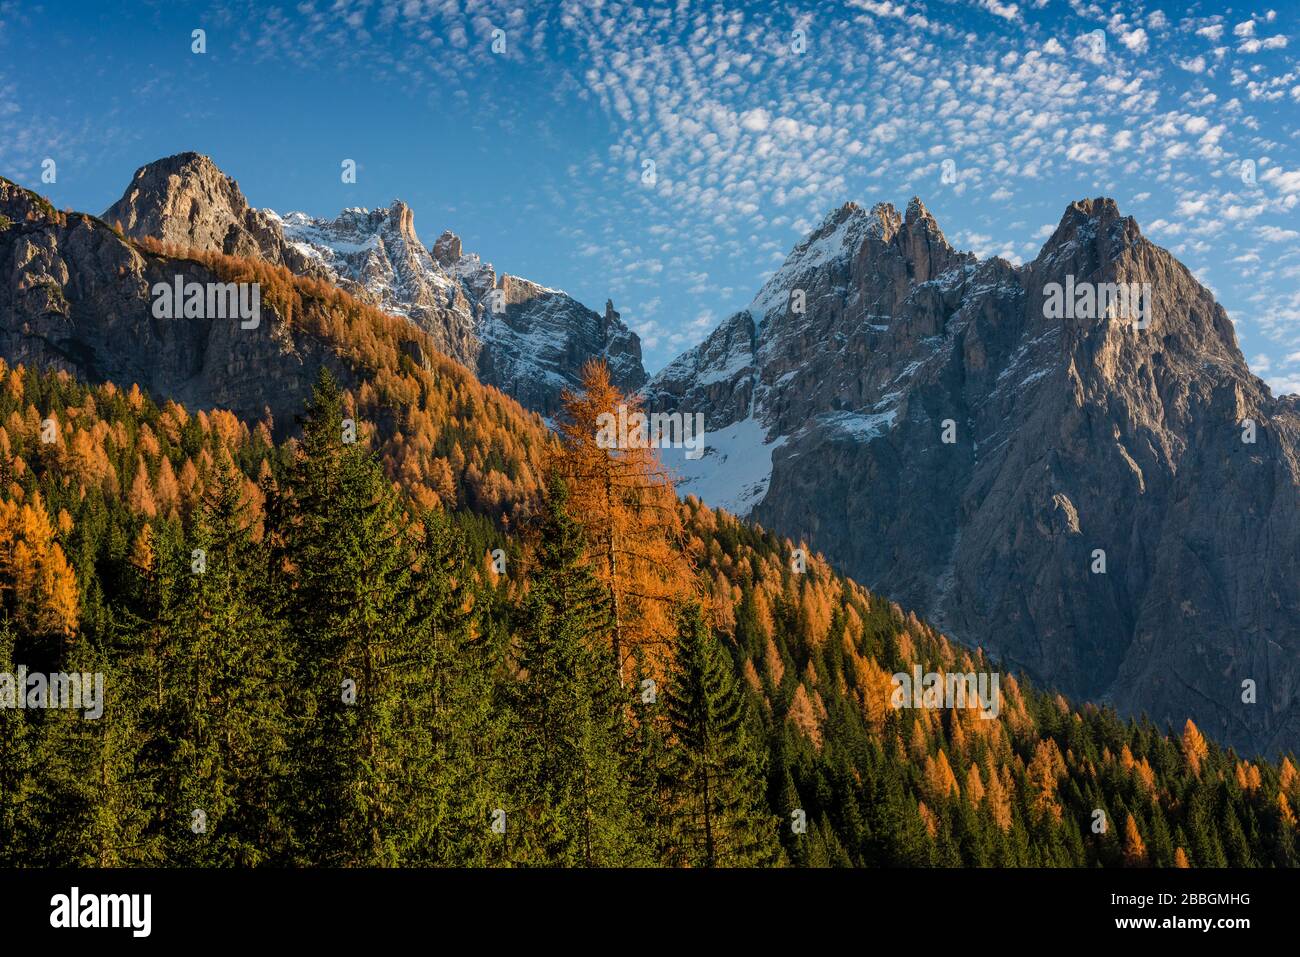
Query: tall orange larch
{"x":141,"y":498}
{"x":803,"y":714}
{"x":625,"y":499}
{"x":1287,"y":775}
{"x":999,"y":794}
{"x":974,"y":786}
{"x":34,"y":570}
{"x":940,"y":782}
{"x":1284,"y":810}
{"x":1194,"y":746}
{"x":1046,"y":768}
{"x":1135,"y":851}
{"x":928,"y":818}
{"x":167,"y":490}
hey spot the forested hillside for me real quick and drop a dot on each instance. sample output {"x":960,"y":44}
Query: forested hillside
{"x":307,"y":661}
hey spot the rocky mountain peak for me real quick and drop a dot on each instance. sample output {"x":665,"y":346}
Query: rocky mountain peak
{"x":520,"y":336}
{"x":1102,"y":208}
{"x":446,"y":248}
{"x":1092,"y":222}
{"x":1074,"y":433}
{"x":885,"y":221}
{"x":920,"y":219}
{"x":404,"y":218}
{"x":187,"y":201}
{"x":182,"y":199}
{"x":22,"y":205}
{"x":397,"y":220}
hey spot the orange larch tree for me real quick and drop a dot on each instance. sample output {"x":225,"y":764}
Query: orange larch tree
{"x":1194,"y":747}
{"x":1135,"y":851}
{"x":34,"y":570}
{"x":625,"y":500}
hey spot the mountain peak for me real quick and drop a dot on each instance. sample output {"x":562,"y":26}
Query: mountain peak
{"x":403,"y":217}
{"x":446,"y":248}
{"x":183,"y":176}
{"x":197,"y":164}
{"x":1101,"y":207}
{"x":885,"y":221}
{"x":186,"y":200}
{"x":834,"y":219}
{"x":1087,"y":219}
{"x":920,"y":218}
{"x":1101,"y":211}
{"x":19,"y":203}
{"x":1074,"y":429}
{"x":397,"y":213}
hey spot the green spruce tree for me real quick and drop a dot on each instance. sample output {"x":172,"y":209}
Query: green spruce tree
{"x":571,"y":791}
{"x":224,"y":698}
{"x":344,"y":556}
{"x":721,"y":818}
{"x":17,"y":763}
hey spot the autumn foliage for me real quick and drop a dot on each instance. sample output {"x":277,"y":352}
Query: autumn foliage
{"x":626,"y":501}
{"x":98,"y":483}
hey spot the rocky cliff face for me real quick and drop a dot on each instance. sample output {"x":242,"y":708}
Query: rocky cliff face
{"x":76,"y":296}
{"x":376,"y":255}
{"x":946,"y":438}
{"x":523,"y":338}
{"x":185,"y":201}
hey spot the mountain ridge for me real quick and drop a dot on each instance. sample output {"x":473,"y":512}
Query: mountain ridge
{"x":830,"y":422}
{"x":523,"y":337}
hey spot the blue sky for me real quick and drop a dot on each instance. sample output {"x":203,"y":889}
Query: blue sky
{"x":759,"y":118}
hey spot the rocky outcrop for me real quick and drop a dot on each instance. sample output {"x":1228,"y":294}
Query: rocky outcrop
{"x":526,"y":339}
{"x":376,"y":255}
{"x":75,"y":296}
{"x":536,"y":340}
{"x":187,"y":202}
{"x":1069,"y":489}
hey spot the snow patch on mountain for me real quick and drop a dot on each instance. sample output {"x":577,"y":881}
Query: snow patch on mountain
{"x":861,"y":426}
{"x":525,"y":338}
{"x":839,"y":236}
{"x":734,"y":471}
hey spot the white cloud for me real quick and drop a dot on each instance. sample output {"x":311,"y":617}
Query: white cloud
{"x":1275,"y":234}
{"x":1135,"y":40}
{"x":1285,"y":385}
{"x":1007,"y":11}
{"x":755,"y":120}
{"x":1254,"y":46}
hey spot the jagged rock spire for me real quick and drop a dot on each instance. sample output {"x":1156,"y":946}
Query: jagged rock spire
{"x":446,"y":248}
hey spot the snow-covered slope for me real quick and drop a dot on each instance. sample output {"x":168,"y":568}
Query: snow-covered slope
{"x":525,"y":338}
{"x":756,"y":377}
